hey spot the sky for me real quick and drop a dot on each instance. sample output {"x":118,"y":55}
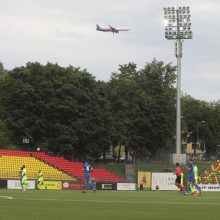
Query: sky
{"x":64,"y":32}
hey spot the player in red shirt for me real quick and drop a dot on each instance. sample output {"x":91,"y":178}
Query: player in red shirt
{"x":178,"y":178}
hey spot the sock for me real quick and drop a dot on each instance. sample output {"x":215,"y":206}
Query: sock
{"x":92,"y":186}
{"x":192,"y":187}
{"x":180,"y":187}
{"x":197,"y":187}
{"x":187,"y":189}
{"x":85,"y":186}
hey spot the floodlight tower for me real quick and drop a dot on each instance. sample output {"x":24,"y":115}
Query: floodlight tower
{"x":178,"y":28}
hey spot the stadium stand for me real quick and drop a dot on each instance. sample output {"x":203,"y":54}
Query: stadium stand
{"x":75,"y":168}
{"x":211,"y":175}
{"x":54,"y":168}
{"x":11,"y":162}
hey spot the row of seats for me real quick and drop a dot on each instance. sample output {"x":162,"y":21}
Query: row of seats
{"x":10,"y":167}
{"x":76,"y":168}
{"x":72,"y":168}
{"x":14,"y":153}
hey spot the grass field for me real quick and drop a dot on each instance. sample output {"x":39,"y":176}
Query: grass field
{"x":107,"y":205}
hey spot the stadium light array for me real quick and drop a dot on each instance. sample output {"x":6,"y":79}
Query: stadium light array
{"x":177,"y":23}
{"x":178,"y":28}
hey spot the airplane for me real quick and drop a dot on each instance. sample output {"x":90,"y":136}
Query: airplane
{"x":111,"y":29}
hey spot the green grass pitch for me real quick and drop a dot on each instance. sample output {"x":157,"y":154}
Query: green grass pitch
{"x":107,"y":205}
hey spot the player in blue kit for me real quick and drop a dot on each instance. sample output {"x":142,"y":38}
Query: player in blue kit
{"x":192,"y":177}
{"x":87,"y":168}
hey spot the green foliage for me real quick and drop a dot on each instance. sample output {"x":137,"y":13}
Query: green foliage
{"x":143,"y":107}
{"x":4,"y":135}
{"x":194,"y":112}
{"x":3,"y":72}
{"x":66,"y":110}
{"x":60,"y":109}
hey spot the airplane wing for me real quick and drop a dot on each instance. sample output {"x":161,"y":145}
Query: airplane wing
{"x":114,"y":30}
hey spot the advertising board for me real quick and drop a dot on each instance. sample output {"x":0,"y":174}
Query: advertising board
{"x":210,"y":187}
{"x":145,"y":178}
{"x":3,"y":184}
{"x":16,"y":184}
{"x":106,"y":186}
{"x":56,"y":185}
{"x":68,"y":185}
{"x":126,"y":186}
{"x":165,"y":181}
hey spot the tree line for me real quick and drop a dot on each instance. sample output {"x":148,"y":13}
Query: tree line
{"x":66,"y":110}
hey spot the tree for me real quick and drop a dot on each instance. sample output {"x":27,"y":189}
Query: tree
{"x":63,"y":110}
{"x":3,"y":72}
{"x":143,"y":106}
{"x":67,"y":111}
{"x":195,"y":111}
{"x":4,"y":135}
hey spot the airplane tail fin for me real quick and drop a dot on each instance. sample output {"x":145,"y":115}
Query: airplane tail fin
{"x":98,"y":27}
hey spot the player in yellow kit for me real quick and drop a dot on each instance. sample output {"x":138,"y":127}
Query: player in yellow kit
{"x":40,"y":180}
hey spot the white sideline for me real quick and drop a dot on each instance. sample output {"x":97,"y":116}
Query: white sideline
{"x":112,"y":201}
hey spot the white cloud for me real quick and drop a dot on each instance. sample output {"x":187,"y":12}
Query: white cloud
{"x":64,"y":32}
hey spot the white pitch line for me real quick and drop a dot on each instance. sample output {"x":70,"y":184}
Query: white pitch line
{"x":6,"y":197}
{"x":127,"y":202}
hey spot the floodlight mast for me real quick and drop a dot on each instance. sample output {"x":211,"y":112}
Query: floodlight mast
{"x":178,"y":27}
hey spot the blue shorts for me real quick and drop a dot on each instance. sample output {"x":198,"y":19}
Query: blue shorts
{"x":191,"y":179}
{"x":87,"y":177}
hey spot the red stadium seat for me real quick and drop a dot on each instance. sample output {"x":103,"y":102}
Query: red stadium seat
{"x":71,"y":168}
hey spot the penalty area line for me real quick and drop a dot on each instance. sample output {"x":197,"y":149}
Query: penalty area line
{"x":115,"y":201}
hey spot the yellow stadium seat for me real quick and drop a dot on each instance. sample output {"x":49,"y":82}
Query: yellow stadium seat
{"x":10,"y":167}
